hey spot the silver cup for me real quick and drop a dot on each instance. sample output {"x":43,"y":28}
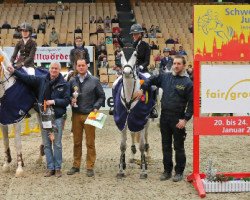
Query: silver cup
{"x":75,"y":95}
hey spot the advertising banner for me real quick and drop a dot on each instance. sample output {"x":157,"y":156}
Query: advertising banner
{"x":225,"y":89}
{"x":109,"y":102}
{"x":49,"y":54}
{"x":222,"y":126}
{"x":222,"y":32}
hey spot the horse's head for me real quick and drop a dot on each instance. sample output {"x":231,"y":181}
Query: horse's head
{"x":4,"y":60}
{"x":129,"y":68}
{"x":5,"y":81}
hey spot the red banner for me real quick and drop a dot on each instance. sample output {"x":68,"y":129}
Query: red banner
{"x":222,"y":126}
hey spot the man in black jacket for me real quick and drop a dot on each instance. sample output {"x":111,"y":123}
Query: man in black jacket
{"x":177,"y":109}
{"x":79,"y":51}
{"x":53,"y":91}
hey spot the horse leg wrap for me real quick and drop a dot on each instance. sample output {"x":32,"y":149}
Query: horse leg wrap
{"x":146,"y":147}
{"x":123,"y":162}
{"x":133,"y":149}
{"x":20,"y":159}
{"x":8,"y":155}
{"x":144,"y":162}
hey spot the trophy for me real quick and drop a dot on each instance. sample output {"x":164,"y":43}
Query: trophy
{"x":75,"y":95}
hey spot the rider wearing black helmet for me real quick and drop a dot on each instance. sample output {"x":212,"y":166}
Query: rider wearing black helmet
{"x":27,"y":48}
{"x":142,"y":48}
{"x":143,"y":56}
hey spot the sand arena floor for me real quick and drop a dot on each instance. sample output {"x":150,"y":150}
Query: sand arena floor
{"x":228,"y":154}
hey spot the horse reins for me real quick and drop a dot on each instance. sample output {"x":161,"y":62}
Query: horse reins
{"x":6,"y":79}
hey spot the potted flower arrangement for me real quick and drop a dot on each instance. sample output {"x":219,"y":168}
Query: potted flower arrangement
{"x":215,"y":182}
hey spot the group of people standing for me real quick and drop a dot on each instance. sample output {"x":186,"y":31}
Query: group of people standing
{"x":54,"y":91}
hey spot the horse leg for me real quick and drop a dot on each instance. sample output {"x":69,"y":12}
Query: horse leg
{"x":7,"y":158}
{"x":146,"y":140}
{"x":133,"y":148}
{"x":143,"y":174}
{"x":123,"y":146}
{"x":18,"y":144}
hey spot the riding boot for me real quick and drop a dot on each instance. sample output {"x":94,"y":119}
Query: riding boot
{"x":154,"y":113}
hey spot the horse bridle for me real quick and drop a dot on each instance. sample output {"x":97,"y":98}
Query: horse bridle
{"x":129,"y":103}
{"x":5,"y":79}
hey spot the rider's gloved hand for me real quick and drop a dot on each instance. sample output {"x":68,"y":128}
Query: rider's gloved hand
{"x":11,"y":69}
{"x":18,"y":65}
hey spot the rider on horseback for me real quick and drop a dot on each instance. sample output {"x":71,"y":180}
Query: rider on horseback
{"x":27,"y":48}
{"x":142,"y":48}
{"x":143,"y":56}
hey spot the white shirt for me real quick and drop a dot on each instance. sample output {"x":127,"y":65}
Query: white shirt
{"x":81,"y":78}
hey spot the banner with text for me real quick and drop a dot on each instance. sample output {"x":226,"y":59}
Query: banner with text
{"x":49,"y":54}
{"x":225,"y":88}
{"x":222,"y":32}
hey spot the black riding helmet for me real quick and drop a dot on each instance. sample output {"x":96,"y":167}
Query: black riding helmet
{"x":27,"y":27}
{"x":136,"y":28}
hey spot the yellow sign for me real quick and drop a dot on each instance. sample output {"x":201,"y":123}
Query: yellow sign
{"x":222,"y":32}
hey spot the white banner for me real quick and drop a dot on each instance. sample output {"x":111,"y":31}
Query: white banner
{"x":225,"y":88}
{"x":109,"y":99}
{"x":49,"y":54}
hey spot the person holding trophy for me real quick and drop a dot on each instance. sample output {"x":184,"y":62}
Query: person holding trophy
{"x":87,"y":96}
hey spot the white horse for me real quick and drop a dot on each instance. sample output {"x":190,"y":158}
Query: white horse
{"x":130,"y":113}
{"x":6,"y":82}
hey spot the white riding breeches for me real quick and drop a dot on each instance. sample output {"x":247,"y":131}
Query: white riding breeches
{"x":29,"y":70}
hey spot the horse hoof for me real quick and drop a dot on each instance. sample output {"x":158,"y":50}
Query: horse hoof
{"x":120,"y":175}
{"x":19,"y":173}
{"x":6,"y":168}
{"x":143,"y":176}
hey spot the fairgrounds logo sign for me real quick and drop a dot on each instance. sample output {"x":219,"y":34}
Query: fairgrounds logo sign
{"x":230,"y":94}
{"x":225,"y":89}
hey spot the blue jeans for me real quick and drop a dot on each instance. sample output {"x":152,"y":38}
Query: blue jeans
{"x":53,"y":156}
